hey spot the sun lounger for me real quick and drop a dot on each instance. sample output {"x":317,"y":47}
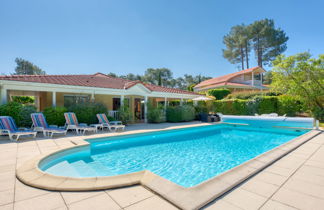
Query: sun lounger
{"x":113,"y":125}
{"x":40,"y":125}
{"x":8,"y":127}
{"x":73,"y":124}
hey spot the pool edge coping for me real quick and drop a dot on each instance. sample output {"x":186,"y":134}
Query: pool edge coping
{"x":185,"y":198}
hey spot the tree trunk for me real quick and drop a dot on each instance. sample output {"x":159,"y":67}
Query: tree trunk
{"x":259,"y":52}
{"x":246,"y":55}
{"x":242,"y":57}
{"x":260,"y":57}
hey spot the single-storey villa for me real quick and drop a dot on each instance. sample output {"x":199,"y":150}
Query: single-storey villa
{"x":64,"y":90}
{"x":248,"y":79}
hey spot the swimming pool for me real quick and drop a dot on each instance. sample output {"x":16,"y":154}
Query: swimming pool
{"x":186,"y":157}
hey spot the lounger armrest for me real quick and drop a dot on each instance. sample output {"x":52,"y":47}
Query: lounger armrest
{"x":83,"y":124}
{"x":23,"y":129}
{"x":53,"y":126}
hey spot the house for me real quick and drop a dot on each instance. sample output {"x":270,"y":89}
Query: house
{"x":248,"y":79}
{"x":65,"y":90}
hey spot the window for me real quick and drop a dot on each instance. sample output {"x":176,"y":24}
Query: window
{"x":70,"y":100}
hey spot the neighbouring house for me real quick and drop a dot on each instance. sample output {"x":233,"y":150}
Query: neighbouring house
{"x":248,"y":79}
{"x":66,"y":90}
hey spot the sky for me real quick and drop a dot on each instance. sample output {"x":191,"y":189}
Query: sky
{"x":129,"y":36}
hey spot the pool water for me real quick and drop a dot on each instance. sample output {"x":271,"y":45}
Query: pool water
{"x":186,"y":157}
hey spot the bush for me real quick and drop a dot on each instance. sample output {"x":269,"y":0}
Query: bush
{"x":219,"y":93}
{"x":25,"y":118}
{"x":155,"y":114}
{"x":183,"y":113}
{"x":55,"y":115}
{"x":232,"y":106}
{"x":23,"y":99}
{"x":282,"y":104}
{"x":20,"y":113}
{"x":250,"y":94}
{"x":125,"y":114}
{"x":318,"y":114}
{"x":267,"y":104}
{"x":86,"y":112}
{"x":289,"y":105}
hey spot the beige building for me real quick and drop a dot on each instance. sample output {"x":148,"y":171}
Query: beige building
{"x":248,"y":79}
{"x":65,"y":90}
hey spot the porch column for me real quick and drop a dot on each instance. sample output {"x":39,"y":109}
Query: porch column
{"x":122,"y":98}
{"x":181,"y":101}
{"x":4,"y":95}
{"x":261,"y":76}
{"x":145,"y":108}
{"x":252,"y":78}
{"x":54,"y":99}
{"x":92,"y":97}
{"x":165,"y":103}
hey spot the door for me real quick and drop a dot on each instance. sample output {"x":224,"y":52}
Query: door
{"x":139,"y":108}
{"x":116,"y":103}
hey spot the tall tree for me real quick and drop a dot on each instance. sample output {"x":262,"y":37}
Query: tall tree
{"x":25,"y":67}
{"x":158,"y":76}
{"x":268,"y":42}
{"x":237,"y":44}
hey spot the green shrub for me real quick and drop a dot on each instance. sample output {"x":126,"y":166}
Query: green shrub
{"x":232,"y":106}
{"x":252,"y":106}
{"x":25,"y":118}
{"x":318,"y":114}
{"x":288,"y":105}
{"x":267,"y":104}
{"x":155,"y":114}
{"x":125,"y":114}
{"x":55,"y":115}
{"x":19,"y":112}
{"x":282,"y":104}
{"x":12,"y":109}
{"x":86,"y":112}
{"x":251,"y":94}
{"x":219,"y":93}
{"x":187,"y":113}
{"x":180,"y":113}
{"x":23,"y":99}
{"x":173,"y":114}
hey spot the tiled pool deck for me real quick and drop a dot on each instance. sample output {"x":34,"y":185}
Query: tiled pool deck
{"x":294,"y":182}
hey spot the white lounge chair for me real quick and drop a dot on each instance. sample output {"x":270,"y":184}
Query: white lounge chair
{"x":113,"y":125}
{"x":8,"y":127}
{"x":40,"y":125}
{"x":73,"y":124}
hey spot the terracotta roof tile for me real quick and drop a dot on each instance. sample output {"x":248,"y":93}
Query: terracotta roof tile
{"x":225,"y":78}
{"x":98,"y":80}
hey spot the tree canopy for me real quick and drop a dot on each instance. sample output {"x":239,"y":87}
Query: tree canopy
{"x":164,"y":77}
{"x":303,"y":76}
{"x":25,"y":67}
{"x":262,"y":36}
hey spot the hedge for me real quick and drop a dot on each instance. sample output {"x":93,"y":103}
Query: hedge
{"x":55,"y":115}
{"x":86,"y":112}
{"x":283,"y":104}
{"x":267,"y":104}
{"x":183,"y":113}
{"x":155,"y":114}
{"x":20,"y":113}
{"x":219,"y":93}
{"x":250,"y":94}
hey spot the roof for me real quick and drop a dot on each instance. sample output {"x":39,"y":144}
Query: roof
{"x":226,"y":78}
{"x":222,"y":84}
{"x":98,"y":80}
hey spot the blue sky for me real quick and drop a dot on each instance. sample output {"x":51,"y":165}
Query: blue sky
{"x":129,"y":36}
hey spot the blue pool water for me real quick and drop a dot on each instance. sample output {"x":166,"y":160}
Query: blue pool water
{"x":185,"y":156}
